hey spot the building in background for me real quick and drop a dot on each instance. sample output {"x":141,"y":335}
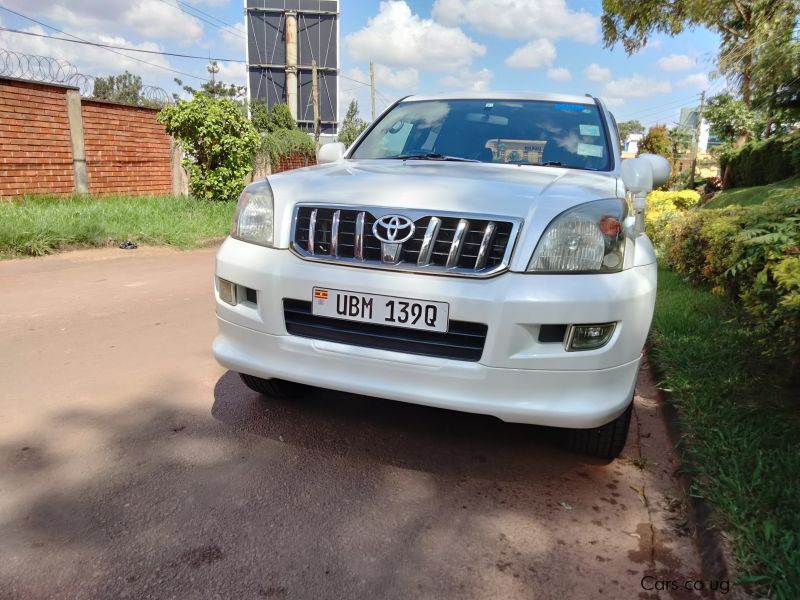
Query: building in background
{"x":688,"y":119}
{"x":631,"y":145}
{"x":283,"y":37}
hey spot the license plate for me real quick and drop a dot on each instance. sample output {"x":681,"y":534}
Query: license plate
{"x":381,"y":310}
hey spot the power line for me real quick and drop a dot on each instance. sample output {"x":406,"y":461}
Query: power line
{"x":109,"y":49}
{"x":353,"y":80}
{"x":194,"y":8}
{"x":99,"y":45}
{"x":204,"y":20}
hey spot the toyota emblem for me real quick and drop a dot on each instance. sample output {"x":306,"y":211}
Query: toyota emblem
{"x":391,"y":229}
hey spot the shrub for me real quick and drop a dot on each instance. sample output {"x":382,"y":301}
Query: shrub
{"x":762,"y":161}
{"x":752,"y":254}
{"x":663,"y":208}
{"x":219,"y":143}
{"x":285,"y":142}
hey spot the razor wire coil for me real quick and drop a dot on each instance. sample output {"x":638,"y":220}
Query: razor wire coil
{"x":46,"y":69}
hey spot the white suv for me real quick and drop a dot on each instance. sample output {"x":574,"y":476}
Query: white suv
{"x":471,"y":252}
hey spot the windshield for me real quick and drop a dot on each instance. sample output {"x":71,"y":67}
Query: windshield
{"x":523,"y":132}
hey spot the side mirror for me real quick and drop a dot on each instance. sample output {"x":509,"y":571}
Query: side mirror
{"x":660,"y":167}
{"x":641,"y":174}
{"x":330,"y":153}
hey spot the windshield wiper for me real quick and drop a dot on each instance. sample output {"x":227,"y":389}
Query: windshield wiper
{"x":431,"y":156}
{"x":549,"y":163}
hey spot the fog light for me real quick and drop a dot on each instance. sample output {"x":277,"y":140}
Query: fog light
{"x":227,"y":291}
{"x":588,"y":337}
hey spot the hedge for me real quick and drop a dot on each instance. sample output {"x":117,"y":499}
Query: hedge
{"x":664,"y":207}
{"x":763,"y":161}
{"x":751,"y":254}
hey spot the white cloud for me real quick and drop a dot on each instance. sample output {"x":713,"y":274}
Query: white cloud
{"x":405,"y":80}
{"x":234,"y":36}
{"x":90,"y":60}
{"x":149,"y":18}
{"x":398,"y":38}
{"x":232,"y":73}
{"x":471,"y":81}
{"x":559,"y":74}
{"x":595,"y":72}
{"x":152,"y":18}
{"x":533,"y":55}
{"x":698,"y":80}
{"x":635,"y":87}
{"x":653,"y":44}
{"x":676,"y":62}
{"x":550,"y":19}
{"x":612,"y":100}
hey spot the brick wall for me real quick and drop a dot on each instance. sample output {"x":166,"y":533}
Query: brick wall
{"x":35,"y":148}
{"x":127,"y":150}
{"x":295,"y":161}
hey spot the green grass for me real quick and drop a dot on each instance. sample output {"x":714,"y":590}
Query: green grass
{"x":742,"y":431}
{"x":37,"y":225}
{"x":781,"y":190}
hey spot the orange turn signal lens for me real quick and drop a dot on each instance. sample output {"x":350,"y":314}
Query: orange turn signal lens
{"x":610,"y":226}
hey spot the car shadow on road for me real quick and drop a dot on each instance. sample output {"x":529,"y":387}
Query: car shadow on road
{"x":421,"y":438}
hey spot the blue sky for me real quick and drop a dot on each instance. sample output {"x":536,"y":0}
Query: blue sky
{"x":418,"y":47}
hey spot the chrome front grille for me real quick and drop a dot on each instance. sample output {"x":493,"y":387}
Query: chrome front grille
{"x":443,"y":243}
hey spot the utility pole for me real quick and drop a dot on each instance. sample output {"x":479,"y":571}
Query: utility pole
{"x":291,"y":62}
{"x":315,"y":100}
{"x":372,"y":87}
{"x":697,"y":138}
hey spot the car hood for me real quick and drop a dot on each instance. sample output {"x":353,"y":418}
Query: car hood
{"x":485,"y":188}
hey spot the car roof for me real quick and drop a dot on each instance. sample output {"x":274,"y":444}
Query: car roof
{"x":504,"y":96}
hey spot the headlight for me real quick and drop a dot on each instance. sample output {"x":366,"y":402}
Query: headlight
{"x":255,"y":214}
{"x":588,"y":238}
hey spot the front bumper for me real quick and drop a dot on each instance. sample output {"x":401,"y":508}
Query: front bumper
{"x":517,"y":379}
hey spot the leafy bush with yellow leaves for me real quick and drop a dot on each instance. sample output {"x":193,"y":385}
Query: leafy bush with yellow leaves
{"x":663,"y":208}
{"x":752,"y":254}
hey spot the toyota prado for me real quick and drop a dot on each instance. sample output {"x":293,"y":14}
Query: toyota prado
{"x":477,"y":252}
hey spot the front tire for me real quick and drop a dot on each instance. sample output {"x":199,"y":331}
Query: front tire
{"x":276,"y":388}
{"x":606,"y":441}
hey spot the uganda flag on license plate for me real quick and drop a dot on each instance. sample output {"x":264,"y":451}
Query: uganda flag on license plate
{"x":321,"y":294}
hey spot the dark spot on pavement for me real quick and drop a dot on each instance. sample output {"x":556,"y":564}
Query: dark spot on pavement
{"x":611,"y":486}
{"x":203,"y":555}
{"x":651,"y":548}
{"x":609,"y":500}
{"x":273,"y":592}
{"x":502,"y":565}
{"x":179,"y":428}
{"x":597,"y":522}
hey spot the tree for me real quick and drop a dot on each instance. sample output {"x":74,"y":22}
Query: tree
{"x":680,"y":140}
{"x":657,"y":142}
{"x":729,"y":119}
{"x":269,"y":121}
{"x":216,"y":89}
{"x":628,"y":127}
{"x":219,"y":142}
{"x":352,"y":126}
{"x":125,"y":88}
{"x":743,"y":25}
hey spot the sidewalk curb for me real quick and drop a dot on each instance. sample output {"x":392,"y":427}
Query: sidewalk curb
{"x":708,"y":538}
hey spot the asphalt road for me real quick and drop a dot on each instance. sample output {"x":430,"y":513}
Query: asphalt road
{"x":133,"y":466}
